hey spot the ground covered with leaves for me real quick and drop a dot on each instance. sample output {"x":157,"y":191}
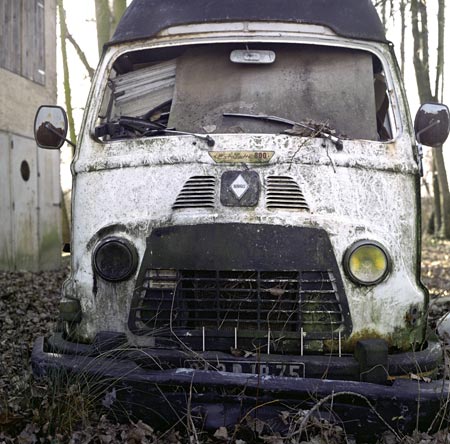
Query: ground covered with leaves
{"x":32,"y":412}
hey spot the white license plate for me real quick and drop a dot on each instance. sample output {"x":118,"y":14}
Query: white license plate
{"x":295,"y":370}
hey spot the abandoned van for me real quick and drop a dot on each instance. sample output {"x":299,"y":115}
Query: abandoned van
{"x":246,"y":219}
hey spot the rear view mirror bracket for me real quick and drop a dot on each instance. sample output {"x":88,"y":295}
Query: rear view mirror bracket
{"x":50,"y":127}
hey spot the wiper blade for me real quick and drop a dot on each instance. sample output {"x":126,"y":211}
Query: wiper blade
{"x":206,"y":137}
{"x":336,"y":140}
{"x":142,"y":128}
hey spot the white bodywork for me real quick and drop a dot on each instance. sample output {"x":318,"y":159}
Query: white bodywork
{"x":366,"y":191}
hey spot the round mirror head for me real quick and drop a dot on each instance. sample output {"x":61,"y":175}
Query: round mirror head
{"x":432,"y":124}
{"x":50,"y":127}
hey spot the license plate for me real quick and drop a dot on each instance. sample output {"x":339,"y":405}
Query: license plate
{"x":294,"y":370}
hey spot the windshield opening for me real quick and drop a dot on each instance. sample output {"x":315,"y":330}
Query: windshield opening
{"x":191,"y":89}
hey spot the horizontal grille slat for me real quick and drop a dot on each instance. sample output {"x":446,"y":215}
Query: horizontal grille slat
{"x":283,"y":192}
{"x":286,"y":302}
{"x":197,"y":192}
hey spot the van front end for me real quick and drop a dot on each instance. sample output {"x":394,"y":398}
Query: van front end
{"x":231,"y":308}
{"x":246,"y":229}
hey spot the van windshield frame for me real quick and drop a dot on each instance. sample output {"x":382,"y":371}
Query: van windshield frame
{"x":189,"y":88}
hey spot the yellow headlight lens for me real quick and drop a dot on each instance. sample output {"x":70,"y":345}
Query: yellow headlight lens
{"x":367,"y":263}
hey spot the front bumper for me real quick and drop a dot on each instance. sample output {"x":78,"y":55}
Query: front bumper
{"x":163,"y":397}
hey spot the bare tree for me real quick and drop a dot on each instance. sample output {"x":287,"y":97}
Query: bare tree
{"x":419,"y":21}
{"x":107,"y":16}
{"x":428,"y":91}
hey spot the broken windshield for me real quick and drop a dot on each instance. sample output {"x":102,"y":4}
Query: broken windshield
{"x":192,"y":89}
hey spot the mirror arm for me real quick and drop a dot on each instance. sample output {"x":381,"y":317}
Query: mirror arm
{"x":431,"y":125}
{"x":51,"y":128}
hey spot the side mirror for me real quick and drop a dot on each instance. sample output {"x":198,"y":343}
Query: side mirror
{"x":50,"y":127}
{"x":432,"y":124}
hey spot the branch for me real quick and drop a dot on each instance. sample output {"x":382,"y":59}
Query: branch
{"x":331,"y":397}
{"x":81,"y":54}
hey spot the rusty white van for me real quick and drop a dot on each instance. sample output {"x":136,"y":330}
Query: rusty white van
{"x":246,"y":219}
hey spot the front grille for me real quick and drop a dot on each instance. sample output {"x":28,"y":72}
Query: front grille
{"x":197,"y":192}
{"x":250,"y":302}
{"x":283,"y":192}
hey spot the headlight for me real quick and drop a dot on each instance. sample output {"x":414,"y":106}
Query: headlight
{"x":367,"y":263}
{"x":115,"y":259}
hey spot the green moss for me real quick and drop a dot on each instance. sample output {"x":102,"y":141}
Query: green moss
{"x":50,"y":250}
{"x":401,"y":339}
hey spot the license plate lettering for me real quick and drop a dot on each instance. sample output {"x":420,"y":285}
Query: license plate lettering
{"x":256,"y":368}
{"x":237,"y":368}
{"x":281,"y":368}
{"x":294,"y":370}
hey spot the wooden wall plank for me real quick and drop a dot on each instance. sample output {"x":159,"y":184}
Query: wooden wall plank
{"x":27,"y":33}
{"x":25,"y":206}
{"x":49,"y":197}
{"x":22,"y":38}
{"x":3,"y":31}
{"x":16,"y":42}
{"x":39,"y":65}
{"x":6,"y":247}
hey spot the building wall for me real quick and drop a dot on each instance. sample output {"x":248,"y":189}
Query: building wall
{"x":30,"y":197}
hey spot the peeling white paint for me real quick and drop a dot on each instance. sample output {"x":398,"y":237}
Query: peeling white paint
{"x":366,"y":191}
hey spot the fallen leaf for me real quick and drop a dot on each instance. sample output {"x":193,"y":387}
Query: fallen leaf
{"x":221,"y":433}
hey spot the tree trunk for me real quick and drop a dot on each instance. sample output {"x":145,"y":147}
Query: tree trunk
{"x":67,"y":91}
{"x":439,"y":158}
{"x":107,"y":19}
{"x":422,"y":67}
{"x":103,"y":20}
{"x":402,"y":38}
{"x":119,"y":7}
{"x":445,"y":193}
{"x":419,"y":22}
{"x":436,"y":215}
{"x":439,"y":85}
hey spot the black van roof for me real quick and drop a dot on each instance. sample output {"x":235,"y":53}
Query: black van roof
{"x":349,"y":18}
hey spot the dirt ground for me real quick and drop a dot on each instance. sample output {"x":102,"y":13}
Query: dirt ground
{"x":28,"y":309}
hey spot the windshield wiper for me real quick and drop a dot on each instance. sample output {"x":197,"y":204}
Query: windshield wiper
{"x":137,"y":127}
{"x":336,"y":140}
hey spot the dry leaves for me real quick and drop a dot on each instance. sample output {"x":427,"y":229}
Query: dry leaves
{"x":28,"y":309}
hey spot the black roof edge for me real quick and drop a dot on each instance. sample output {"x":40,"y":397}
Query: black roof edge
{"x":144,"y":19}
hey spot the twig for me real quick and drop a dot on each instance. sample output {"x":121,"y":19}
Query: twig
{"x":331,"y":397}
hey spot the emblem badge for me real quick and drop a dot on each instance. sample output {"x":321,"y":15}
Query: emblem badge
{"x":239,"y":186}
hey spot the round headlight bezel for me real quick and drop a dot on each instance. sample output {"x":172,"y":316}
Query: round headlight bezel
{"x":128,"y":248}
{"x":353,"y":249}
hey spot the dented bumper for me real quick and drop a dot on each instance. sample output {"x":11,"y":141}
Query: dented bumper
{"x":218,"y":398}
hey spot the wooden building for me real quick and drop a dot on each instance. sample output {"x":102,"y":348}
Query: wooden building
{"x":30,"y":196}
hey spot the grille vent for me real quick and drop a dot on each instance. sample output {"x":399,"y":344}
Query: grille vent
{"x":252,"y":301}
{"x":283,"y":192}
{"x":197,"y":192}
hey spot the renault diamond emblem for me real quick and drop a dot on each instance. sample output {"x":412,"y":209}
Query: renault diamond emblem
{"x":239,"y":186}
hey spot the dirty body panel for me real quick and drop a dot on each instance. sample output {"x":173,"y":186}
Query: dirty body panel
{"x":240,"y":233}
{"x":334,"y":211}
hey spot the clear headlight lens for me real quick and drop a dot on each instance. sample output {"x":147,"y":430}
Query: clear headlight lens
{"x":115,"y":259}
{"x":367,"y":263}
